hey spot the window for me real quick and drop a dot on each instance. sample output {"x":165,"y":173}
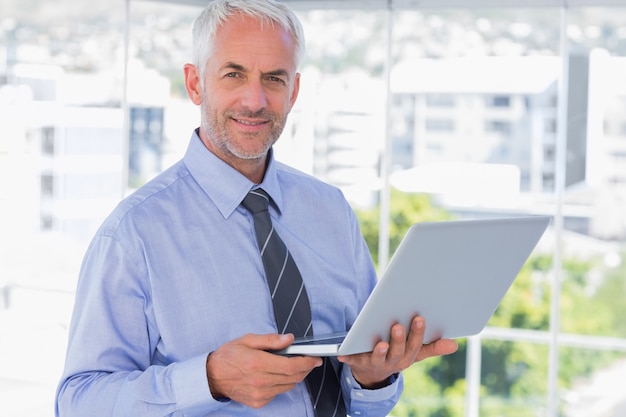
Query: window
{"x":47,"y":141}
{"x":457,"y":70}
{"x":499,"y":101}
{"x":47,"y":185}
{"x":550,"y":126}
{"x":439,"y":125}
{"x":498,"y":126}
{"x":47,"y":223}
{"x":440,"y":100}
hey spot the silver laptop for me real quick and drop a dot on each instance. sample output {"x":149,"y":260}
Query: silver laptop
{"x":452,"y":273}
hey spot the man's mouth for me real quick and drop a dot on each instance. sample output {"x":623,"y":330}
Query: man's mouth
{"x":250,"y":122}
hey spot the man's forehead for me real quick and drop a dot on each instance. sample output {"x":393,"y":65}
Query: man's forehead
{"x":244,"y":41}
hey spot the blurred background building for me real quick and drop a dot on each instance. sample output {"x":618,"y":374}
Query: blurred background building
{"x":474,"y":105}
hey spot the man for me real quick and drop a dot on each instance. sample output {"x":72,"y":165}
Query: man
{"x":173,"y":315}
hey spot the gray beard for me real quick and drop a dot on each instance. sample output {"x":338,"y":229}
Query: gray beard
{"x":222,"y":139}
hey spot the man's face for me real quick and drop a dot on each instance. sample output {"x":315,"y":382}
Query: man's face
{"x":250,"y":85}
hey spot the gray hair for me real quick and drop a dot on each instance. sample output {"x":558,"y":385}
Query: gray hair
{"x":219,"y":11}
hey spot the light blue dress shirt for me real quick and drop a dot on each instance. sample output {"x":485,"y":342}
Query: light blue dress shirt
{"x":174,"y":272}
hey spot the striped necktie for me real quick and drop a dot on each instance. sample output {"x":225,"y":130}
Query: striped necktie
{"x":292,"y":310}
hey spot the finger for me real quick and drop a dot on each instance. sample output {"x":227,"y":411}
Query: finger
{"x":397,"y":342}
{"x":266,"y":342}
{"x":437,"y":348}
{"x":297,"y":366}
{"x":279,"y":374}
{"x":379,"y":354}
{"x":416,"y":335}
{"x":282,"y":369}
{"x":244,"y":371}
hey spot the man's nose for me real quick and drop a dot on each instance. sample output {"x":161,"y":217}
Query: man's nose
{"x":254,"y":96}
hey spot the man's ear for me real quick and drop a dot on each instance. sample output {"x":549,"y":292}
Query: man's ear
{"x":193,"y":84}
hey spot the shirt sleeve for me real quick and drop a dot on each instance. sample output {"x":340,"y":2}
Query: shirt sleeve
{"x":110,"y":369}
{"x":363,"y":402}
{"x":370,"y":403}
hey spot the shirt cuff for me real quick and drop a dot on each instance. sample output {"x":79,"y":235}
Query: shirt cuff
{"x":358,"y":393}
{"x":191,"y":388}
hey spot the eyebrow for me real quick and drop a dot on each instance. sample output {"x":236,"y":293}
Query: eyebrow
{"x":238,"y":67}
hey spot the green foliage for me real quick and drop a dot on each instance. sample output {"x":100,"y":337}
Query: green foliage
{"x":526,"y":305}
{"x":511,"y":407}
{"x":406,"y":210}
{"x":422,"y":395}
{"x":513,"y":375}
{"x":612,"y":294}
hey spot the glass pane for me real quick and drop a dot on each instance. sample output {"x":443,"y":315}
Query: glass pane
{"x":474,"y":124}
{"x":60,"y":173}
{"x":594,"y":268}
{"x":162,"y":117}
{"x":515,"y":376}
{"x":475,"y":133}
{"x":473,"y":119}
{"x":337,"y":126}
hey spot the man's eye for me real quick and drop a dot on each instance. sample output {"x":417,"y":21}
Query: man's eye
{"x":232,"y":75}
{"x":276,"y":80}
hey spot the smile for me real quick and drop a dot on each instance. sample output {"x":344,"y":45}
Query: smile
{"x":250,"y":123}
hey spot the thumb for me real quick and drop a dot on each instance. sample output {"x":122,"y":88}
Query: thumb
{"x":268,"y":341}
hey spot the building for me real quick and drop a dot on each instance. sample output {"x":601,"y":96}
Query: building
{"x":503,"y":111}
{"x":67,"y":155}
{"x":66,"y":159}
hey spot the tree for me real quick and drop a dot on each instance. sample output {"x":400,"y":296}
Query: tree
{"x":406,"y":210}
{"x":513,"y":374}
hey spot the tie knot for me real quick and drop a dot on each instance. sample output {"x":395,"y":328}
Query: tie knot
{"x":256,"y":201}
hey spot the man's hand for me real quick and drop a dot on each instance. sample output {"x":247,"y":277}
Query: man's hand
{"x":243,"y":371}
{"x":373,"y":369}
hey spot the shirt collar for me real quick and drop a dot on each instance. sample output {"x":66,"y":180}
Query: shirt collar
{"x":224,"y":185}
